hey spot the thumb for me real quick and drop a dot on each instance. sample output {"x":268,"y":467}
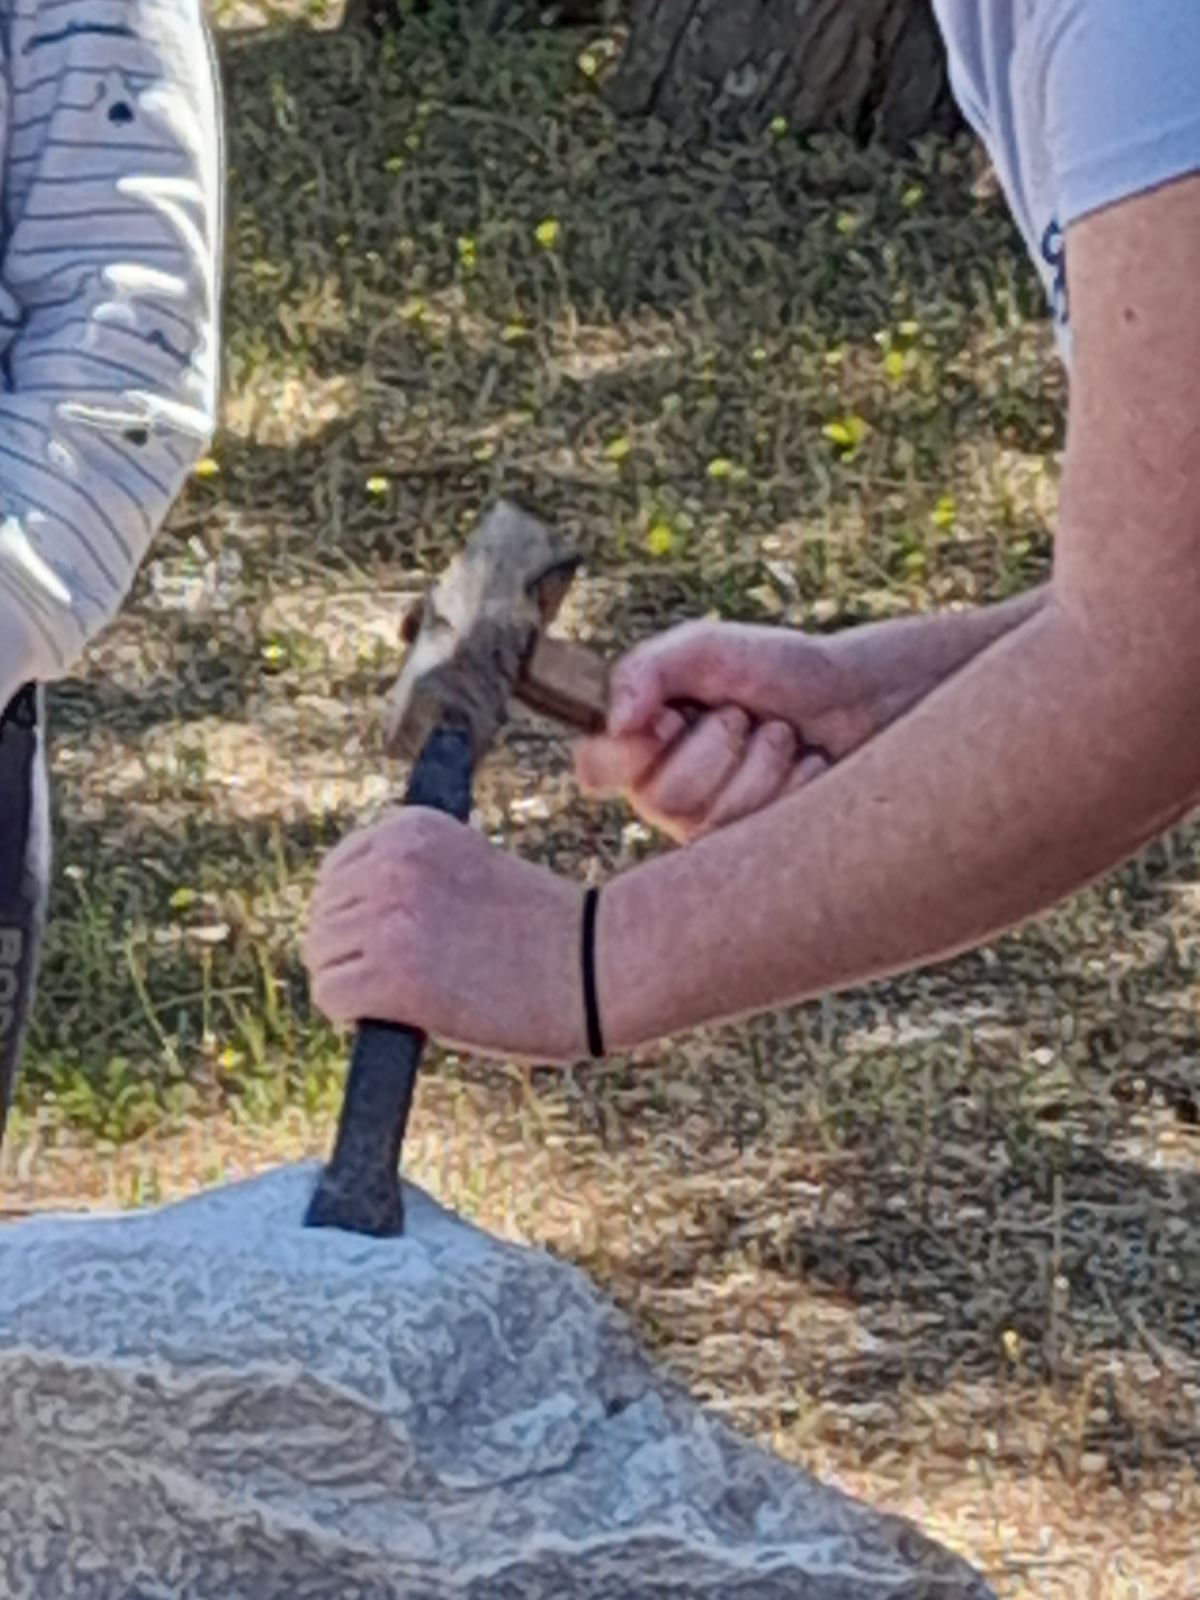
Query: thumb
{"x":673,"y":666}
{"x":608,"y":765}
{"x":637,"y":695}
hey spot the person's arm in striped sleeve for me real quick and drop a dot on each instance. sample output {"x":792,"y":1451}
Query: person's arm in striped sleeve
{"x":109,"y":302}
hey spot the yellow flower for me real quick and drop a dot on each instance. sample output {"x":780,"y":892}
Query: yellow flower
{"x":912,"y":196}
{"x":588,"y":64}
{"x":847,"y":432}
{"x":720,"y":467}
{"x":378,"y":485}
{"x":1012,"y":1344}
{"x":207,"y":467}
{"x":944,"y":512}
{"x":546,"y":233}
{"x":660,"y":540}
{"x":893,"y":365}
{"x":779,"y":127}
{"x":617,"y":449}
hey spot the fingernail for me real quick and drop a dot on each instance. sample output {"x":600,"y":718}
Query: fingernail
{"x":811,"y":767}
{"x":734,"y":721}
{"x":780,"y":737}
{"x":668,"y":726}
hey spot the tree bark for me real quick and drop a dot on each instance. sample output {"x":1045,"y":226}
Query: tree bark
{"x":874,"y":69}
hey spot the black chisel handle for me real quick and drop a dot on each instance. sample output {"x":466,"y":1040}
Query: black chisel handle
{"x":359,"y":1191}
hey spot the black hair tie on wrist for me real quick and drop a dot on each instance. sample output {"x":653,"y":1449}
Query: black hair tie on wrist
{"x":591,"y":1005}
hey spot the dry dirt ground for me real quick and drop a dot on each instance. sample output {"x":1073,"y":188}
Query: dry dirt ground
{"x":940,"y":1240}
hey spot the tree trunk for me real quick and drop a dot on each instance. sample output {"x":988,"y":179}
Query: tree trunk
{"x":869,"y":68}
{"x":380,"y":16}
{"x":874,"y":69}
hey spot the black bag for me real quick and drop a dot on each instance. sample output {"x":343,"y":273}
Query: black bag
{"x":24,"y":872}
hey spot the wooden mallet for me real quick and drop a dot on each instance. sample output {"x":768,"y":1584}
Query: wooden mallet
{"x":476,"y":642}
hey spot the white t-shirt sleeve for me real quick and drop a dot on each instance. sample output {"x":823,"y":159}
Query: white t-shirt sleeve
{"x":1122,"y":97}
{"x":109,"y":297}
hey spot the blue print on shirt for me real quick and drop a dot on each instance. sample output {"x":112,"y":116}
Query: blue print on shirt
{"x":1054,"y":254}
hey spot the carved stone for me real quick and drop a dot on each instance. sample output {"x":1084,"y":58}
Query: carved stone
{"x":210,"y":1402}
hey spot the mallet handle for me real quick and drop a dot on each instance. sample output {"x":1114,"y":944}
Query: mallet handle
{"x":359,"y":1191}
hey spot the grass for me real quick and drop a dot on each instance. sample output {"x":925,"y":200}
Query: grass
{"x":939,"y":1238}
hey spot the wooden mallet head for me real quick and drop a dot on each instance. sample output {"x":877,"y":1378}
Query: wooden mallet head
{"x":478,"y":639}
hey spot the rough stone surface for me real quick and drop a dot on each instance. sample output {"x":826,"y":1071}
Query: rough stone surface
{"x":209,"y":1402}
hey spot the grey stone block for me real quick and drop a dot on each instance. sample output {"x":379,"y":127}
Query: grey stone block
{"x":209,"y":1402}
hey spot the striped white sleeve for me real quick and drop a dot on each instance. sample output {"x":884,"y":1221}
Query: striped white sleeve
{"x":109,"y":298}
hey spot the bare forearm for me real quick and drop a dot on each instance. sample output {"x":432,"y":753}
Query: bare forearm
{"x":1051,"y":757}
{"x":902,"y":660}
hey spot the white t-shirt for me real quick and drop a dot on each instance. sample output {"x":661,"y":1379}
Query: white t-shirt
{"x":1081,"y":103}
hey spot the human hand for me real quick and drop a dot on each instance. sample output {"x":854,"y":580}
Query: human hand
{"x":784,"y":706}
{"x":418,"y":919}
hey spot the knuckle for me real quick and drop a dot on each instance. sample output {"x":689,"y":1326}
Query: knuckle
{"x":418,"y":833}
{"x":418,"y":827}
{"x":385,"y":828}
{"x":680,"y":646}
{"x":668,"y":726}
{"x":640,"y":667}
{"x":733,"y":725}
{"x":779,"y":740}
{"x":682,"y":797}
{"x":632,"y":666}
{"x":700,"y":638}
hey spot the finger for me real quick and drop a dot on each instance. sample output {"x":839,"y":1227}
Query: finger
{"x":687,"y":781}
{"x":664,"y":669}
{"x":766,"y":766}
{"x":610,"y":766}
{"x":812,"y":766}
{"x":338,"y":890}
{"x":340,"y":991}
{"x":715,"y":664}
{"x":339,"y":887}
{"x":354,"y":848}
{"x":335,"y":938}
{"x":606,"y":766}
